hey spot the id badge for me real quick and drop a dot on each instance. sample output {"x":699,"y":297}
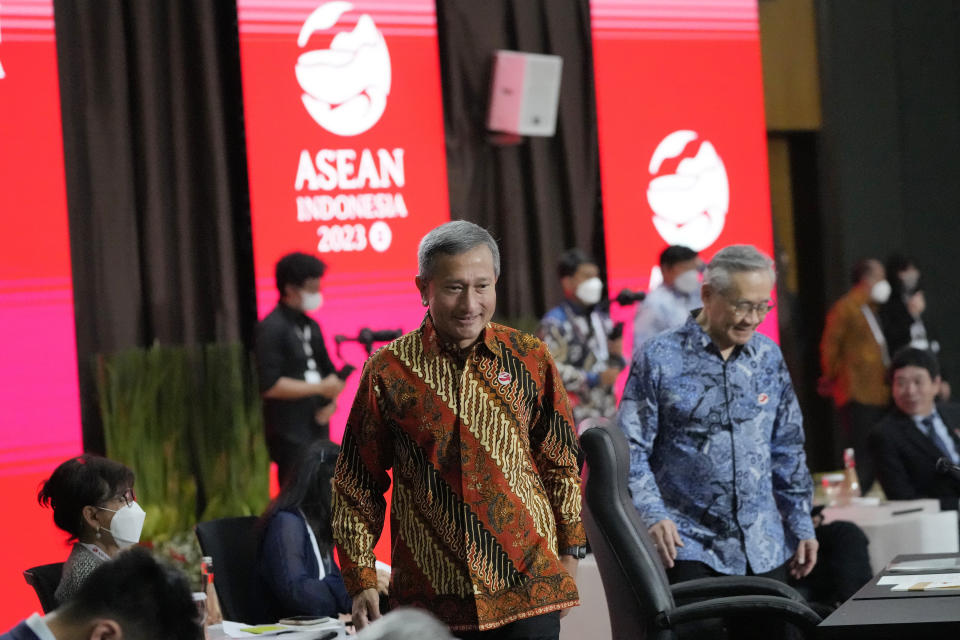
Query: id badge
{"x":312,"y":376}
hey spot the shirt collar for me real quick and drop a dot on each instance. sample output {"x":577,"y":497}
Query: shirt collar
{"x":39,"y":627}
{"x":295,"y":315}
{"x":434,"y":345}
{"x":918,"y":420}
{"x":576,"y":308}
{"x":701,"y":338}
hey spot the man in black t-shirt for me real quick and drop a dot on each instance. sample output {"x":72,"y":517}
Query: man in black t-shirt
{"x":297,"y":379}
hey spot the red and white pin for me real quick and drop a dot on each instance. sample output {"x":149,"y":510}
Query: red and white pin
{"x":504,"y":377}
{"x":763,"y":399}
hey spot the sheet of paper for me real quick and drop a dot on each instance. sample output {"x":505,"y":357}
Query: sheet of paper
{"x":922,"y":582}
{"x":290,"y":632}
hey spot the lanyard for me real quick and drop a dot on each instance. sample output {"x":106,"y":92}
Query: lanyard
{"x":313,"y":543}
{"x":877,"y":333}
{"x":304,"y":334}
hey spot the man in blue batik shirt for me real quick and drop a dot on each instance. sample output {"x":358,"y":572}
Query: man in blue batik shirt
{"x":717,"y":467}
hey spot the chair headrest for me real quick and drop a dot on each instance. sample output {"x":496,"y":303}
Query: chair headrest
{"x":607,"y":494}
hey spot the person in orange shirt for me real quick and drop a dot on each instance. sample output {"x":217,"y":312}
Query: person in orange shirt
{"x":854,"y":359}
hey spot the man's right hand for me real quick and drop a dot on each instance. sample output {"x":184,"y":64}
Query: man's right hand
{"x":366,"y":608}
{"x":666,"y":539}
{"x":330,"y":386}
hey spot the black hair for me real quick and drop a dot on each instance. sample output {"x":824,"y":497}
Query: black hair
{"x":861,"y":269}
{"x":148,"y":601}
{"x":309,"y":489}
{"x":676,"y":253}
{"x":296,"y":268}
{"x":913,"y":357}
{"x":570,"y":260}
{"x":84,"y":480}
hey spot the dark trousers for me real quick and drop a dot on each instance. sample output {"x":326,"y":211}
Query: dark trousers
{"x":857,"y":421}
{"x":737,"y":627}
{"x":545,"y":627}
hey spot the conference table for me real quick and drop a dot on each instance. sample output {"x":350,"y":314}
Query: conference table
{"x":876,"y":611}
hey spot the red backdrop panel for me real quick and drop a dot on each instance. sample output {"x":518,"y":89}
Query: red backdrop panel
{"x":346,"y":156}
{"x":682,"y":136}
{"x":39,"y":400}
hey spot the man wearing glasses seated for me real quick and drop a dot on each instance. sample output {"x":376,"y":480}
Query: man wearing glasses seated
{"x":717,"y":467}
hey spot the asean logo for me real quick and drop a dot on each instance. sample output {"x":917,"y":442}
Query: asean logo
{"x":689,"y":192}
{"x":346,"y":86}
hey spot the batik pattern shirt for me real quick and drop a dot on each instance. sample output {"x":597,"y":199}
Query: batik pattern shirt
{"x":717,"y":447}
{"x":578,"y":339}
{"x":485,"y":483}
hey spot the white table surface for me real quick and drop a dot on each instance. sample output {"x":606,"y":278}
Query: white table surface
{"x":901,"y":526}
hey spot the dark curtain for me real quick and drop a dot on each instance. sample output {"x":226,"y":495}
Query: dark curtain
{"x":543,"y":195}
{"x":156,"y":178}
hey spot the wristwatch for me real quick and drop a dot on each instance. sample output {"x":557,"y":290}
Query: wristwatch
{"x":579,"y":552}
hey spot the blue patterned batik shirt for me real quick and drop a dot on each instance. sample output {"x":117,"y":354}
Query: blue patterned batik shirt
{"x":717,"y":447}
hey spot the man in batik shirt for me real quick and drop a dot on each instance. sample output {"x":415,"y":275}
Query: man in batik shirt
{"x":578,"y":333}
{"x":474,"y":422}
{"x":717,"y":468}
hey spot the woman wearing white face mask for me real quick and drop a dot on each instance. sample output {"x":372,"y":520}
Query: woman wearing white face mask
{"x":92,"y":500}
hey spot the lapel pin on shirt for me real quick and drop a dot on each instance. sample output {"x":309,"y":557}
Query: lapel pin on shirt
{"x":763,"y":399}
{"x":504,"y":377}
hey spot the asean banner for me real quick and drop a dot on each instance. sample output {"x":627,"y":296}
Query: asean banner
{"x":345,"y":151}
{"x":681,"y":127}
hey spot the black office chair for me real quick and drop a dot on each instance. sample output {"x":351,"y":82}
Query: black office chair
{"x":641,"y":602}
{"x":44,"y":579}
{"x":232,"y":543}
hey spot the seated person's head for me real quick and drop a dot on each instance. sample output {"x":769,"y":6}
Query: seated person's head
{"x":131,"y":597}
{"x":85,"y":493}
{"x":915,"y":381}
{"x":580,"y":277}
{"x":309,"y":489}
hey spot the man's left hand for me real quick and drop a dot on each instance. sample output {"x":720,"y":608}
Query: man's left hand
{"x":570,"y":564}
{"x":804,"y":559}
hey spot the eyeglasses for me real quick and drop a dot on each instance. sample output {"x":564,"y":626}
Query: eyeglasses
{"x":743,"y":308}
{"x":126,"y":497}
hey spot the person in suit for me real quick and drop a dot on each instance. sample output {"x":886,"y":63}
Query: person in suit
{"x":296,"y":573}
{"x":131,"y":597}
{"x":907,"y":442}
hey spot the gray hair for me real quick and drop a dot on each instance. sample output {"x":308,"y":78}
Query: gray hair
{"x":451,"y":239}
{"x":736,"y":258}
{"x":406,"y":623}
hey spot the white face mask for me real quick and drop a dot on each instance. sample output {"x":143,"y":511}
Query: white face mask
{"x":590,"y":291}
{"x":127,"y":524}
{"x":310,"y":301}
{"x":687,"y":282}
{"x":880,"y":292}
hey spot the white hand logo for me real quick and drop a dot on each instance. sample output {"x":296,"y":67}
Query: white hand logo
{"x":690,"y":205}
{"x":346,"y":86}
